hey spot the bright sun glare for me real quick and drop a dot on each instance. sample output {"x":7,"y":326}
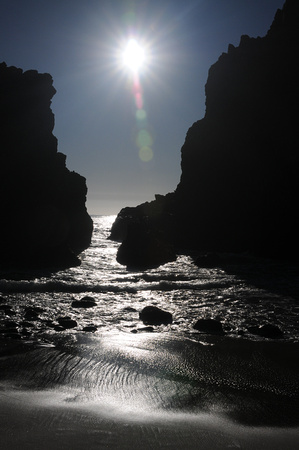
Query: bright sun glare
{"x":133,"y":55}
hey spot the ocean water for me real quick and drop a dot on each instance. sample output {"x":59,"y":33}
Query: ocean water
{"x":240,"y":293}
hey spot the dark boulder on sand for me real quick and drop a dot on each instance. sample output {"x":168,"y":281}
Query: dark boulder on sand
{"x":267,"y":331}
{"x":239,"y":186}
{"x":151,"y":315}
{"x":209,"y":326}
{"x":44,"y":221}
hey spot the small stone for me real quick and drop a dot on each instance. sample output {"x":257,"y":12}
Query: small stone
{"x":145,"y":329}
{"x":90,"y":328}
{"x":67,"y":322}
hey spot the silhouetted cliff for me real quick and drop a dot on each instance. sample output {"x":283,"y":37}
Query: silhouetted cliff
{"x":239,"y":184}
{"x":43,"y":215}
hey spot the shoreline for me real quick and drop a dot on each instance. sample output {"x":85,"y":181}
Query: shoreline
{"x":122,"y":390}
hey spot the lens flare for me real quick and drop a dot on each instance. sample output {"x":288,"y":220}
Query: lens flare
{"x":144,"y":139}
{"x":146,"y":154}
{"x":140,"y":115}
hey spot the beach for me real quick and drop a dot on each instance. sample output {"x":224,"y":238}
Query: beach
{"x":125,"y":390}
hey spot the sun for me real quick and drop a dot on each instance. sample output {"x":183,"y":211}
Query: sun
{"x":133,"y":56}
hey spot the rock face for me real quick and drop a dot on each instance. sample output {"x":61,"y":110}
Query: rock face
{"x":44,"y":221}
{"x":239,"y":184}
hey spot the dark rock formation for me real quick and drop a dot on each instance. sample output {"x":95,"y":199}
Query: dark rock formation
{"x":239,"y":184}
{"x":268,"y":331}
{"x":67,"y":322}
{"x":44,"y":221}
{"x":151,"y":315}
{"x":143,"y":247}
{"x":90,"y":328}
{"x":209,"y":326}
{"x":85,"y":302}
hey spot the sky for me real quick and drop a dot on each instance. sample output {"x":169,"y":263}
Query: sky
{"x":123,"y":129}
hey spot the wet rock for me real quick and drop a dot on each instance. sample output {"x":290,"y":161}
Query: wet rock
{"x":85,"y":302}
{"x":11,"y":324}
{"x":145,"y":330}
{"x":142,"y":248}
{"x":90,"y":328}
{"x":7,"y":310}
{"x":32,"y":313}
{"x":267,"y":331}
{"x":25,"y":332}
{"x":58,"y":328}
{"x":67,"y":322}
{"x":129,"y":309}
{"x":151,"y":315}
{"x":209,"y":326}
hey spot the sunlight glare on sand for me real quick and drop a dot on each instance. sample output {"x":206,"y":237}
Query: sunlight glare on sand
{"x":59,"y":423}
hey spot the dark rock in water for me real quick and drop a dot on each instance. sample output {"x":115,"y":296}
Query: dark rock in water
{"x":7,"y":310}
{"x":44,"y":222}
{"x":90,"y":329}
{"x":239,"y":185}
{"x":32,"y":313}
{"x":59,"y":328}
{"x":145,"y":330}
{"x":142,"y":248}
{"x":129,"y":309}
{"x":85,"y":302}
{"x":67,"y":322}
{"x":209,"y":326}
{"x":268,"y":331}
{"x":151,"y":315}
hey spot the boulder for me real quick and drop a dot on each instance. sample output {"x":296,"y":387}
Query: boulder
{"x":67,"y":322}
{"x":151,"y":315}
{"x":267,"y":331}
{"x":142,"y":248}
{"x":85,"y":302}
{"x":209,"y":326}
{"x":90,"y":328}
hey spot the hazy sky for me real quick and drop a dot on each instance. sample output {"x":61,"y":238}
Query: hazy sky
{"x":105,"y":121}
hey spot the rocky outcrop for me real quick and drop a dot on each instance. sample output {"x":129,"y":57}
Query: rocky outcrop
{"x":44,"y":221}
{"x":239,"y":184}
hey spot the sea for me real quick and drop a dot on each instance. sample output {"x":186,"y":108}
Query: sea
{"x":242,"y":292}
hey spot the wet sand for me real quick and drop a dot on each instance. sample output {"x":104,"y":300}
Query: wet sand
{"x":151,"y":390}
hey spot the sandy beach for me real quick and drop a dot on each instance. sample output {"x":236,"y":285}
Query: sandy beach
{"x":149,"y":390}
